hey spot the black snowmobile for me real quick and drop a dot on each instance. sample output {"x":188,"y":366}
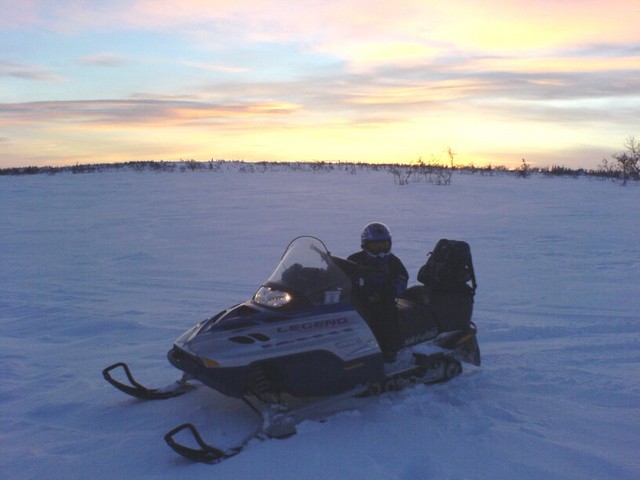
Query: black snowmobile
{"x":304,"y":336}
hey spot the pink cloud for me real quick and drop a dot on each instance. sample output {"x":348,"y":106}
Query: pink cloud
{"x":345,"y":21}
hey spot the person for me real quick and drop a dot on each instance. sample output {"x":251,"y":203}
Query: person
{"x":380,"y":278}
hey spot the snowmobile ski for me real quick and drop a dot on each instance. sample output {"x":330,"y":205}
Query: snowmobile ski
{"x":278,"y":422}
{"x":205,"y":453}
{"x":138,"y":390}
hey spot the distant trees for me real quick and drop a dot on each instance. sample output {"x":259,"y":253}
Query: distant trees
{"x":525,"y":169}
{"x":626,"y":165}
{"x":437,"y":169}
{"x":433,"y":171}
{"x":629,"y":161}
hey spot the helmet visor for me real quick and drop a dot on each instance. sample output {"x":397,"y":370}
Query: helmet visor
{"x":377,"y":247}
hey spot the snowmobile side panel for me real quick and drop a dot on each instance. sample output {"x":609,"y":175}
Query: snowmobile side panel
{"x":290,"y":374}
{"x":331,"y":375}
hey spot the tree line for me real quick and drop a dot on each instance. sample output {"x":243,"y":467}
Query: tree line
{"x":621,"y":167}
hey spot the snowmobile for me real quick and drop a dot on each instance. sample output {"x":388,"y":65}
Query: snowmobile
{"x":302,"y":344}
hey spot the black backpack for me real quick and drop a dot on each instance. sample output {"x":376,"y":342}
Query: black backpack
{"x":449,"y":268}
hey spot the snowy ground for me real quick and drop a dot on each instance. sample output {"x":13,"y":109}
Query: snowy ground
{"x":114,"y":266}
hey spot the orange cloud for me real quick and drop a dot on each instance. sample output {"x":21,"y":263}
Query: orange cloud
{"x":427,"y":92}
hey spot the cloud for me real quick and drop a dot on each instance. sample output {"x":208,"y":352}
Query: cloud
{"x":104,"y":60}
{"x":505,"y":25}
{"x":136,"y":112}
{"x":414,"y":72}
{"x":28,"y":72}
{"x":595,"y":73}
{"x":217,"y":68}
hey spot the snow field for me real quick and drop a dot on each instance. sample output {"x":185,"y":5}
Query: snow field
{"x":114,"y":266}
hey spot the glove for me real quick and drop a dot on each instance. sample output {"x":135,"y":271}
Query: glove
{"x":374,"y":297}
{"x":381,"y":294}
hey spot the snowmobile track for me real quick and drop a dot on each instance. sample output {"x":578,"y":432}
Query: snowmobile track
{"x":280,"y":423}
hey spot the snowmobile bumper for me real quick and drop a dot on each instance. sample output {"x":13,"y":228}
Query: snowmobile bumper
{"x":228,"y":381}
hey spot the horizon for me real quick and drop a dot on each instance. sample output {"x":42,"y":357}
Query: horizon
{"x":348,"y":81}
{"x":399,"y":170}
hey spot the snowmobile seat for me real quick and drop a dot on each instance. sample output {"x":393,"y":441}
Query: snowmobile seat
{"x":420,"y":306}
{"x":418,"y":294}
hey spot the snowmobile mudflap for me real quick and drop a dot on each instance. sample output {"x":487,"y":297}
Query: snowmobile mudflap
{"x":463,"y":344}
{"x":138,"y":390}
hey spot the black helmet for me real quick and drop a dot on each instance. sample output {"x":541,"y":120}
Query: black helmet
{"x":376,"y":239}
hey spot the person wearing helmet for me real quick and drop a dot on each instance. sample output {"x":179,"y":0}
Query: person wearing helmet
{"x":381,"y":278}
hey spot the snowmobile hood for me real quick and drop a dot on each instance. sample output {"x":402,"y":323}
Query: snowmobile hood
{"x":266,"y":336}
{"x":304,"y":304}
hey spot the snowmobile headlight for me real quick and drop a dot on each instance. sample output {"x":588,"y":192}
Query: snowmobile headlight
{"x":270,"y":297}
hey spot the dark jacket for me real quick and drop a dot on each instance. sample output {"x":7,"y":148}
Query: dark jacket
{"x":381,"y":277}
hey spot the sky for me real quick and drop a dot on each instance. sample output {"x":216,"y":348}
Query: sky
{"x":552,"y":82}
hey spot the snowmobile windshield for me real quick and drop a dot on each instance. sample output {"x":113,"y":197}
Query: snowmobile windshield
{"x":306,"y":274}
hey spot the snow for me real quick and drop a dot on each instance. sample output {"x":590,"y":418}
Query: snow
{"x":111,"y":266}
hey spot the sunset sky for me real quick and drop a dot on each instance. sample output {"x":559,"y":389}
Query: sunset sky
{"x":553,"y":82}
